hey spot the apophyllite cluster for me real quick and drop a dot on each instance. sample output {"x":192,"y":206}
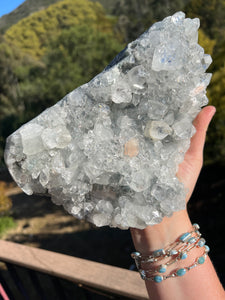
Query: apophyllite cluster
{"x":109,"y":150}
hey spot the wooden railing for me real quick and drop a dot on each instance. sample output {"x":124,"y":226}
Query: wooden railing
{"x":95,"y":275}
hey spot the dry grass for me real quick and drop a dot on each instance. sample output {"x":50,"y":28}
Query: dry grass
{"x":5,"y":201}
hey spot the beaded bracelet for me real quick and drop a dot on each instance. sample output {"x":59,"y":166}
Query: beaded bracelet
{"x":178,"y":272}
{"x":181,"y":255}
{"x":170,"y":250}
{"x":177,"y":250}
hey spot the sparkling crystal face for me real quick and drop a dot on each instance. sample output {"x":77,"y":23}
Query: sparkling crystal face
{"x":109,"y":151}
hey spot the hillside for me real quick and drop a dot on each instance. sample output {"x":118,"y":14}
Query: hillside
{"x":33,"y":34}
{"x":30,"y":6}
{"x":24,"y":10}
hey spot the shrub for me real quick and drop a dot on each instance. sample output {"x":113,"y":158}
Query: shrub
{"x":6,"y":223}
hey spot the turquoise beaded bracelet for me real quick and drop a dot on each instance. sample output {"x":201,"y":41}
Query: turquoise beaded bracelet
{"x":178,"y":272}
{"x":178,"y":251}
{"x":183,"y":244}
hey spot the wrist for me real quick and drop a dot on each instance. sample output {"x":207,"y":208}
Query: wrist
{"x":158,"y":236}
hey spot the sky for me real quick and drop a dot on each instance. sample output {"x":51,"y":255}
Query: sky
{"x":6,"y":6}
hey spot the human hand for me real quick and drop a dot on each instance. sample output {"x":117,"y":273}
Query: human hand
{"x":155,"y":237}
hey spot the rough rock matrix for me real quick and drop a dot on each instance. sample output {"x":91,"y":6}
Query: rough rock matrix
{"x":109,"y":151}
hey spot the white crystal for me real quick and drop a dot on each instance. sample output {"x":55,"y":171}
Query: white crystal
{"x":169,"y":56}
{"x":157,"y":130}
{"x":109,"y":151}
{"x":58,"y":137}
{"x":31,"y":139}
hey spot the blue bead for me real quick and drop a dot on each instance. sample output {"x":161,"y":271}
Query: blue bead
{"x":192,"y":240}
{"x":143,"y":275}
{"x":181,"y":272}
{"x":158,"y":278}
{"x":162,"y":269}
{"x":159,"y":252}
{"x":201,"y":260}
{"x":185,"y":236}
{"x":201,"y":242}
{"x":183,"y":255}
{"x":135,"y":254}
{"x":173,"y":252}
{"x":207,"y":248}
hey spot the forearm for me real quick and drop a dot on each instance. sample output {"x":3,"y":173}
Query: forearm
{"x":200,"y":283}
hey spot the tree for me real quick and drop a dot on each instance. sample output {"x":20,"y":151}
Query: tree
{"x":211,"y":14}
{"x":33,"y":34}
{"x":75,"y":56}
{"x":215,"y":149}
{"x":134,"y":16}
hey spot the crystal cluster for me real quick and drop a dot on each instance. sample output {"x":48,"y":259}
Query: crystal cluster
{"x":109,"y":150}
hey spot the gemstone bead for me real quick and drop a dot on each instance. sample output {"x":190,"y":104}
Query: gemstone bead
{"x":162,"y":269}
{"x":201,"y":242}
{"x":158,"y":278}
{"x":172,"y":252}
{"x":185,"y":237}
{"x":183,"y":255}
{"x":198,"y":233}
{"x":201,"y":260}
{"x":192,"y":240}
{"x":207,"y":248}
{"x":135,"y":254}
{"x":159,"y":252}
{"x":196,"y":226}
{"x":192,"y":267}
{"x":151,"y":260}
{"x":143,"y":275}
{"x":181,"y":272}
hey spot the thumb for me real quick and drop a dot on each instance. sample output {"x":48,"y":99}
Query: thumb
{"x":201,"y":124}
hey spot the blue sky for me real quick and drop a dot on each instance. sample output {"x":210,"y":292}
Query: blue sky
{"x":6,"y":6}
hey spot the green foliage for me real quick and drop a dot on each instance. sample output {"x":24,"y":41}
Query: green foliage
{"x":12,"y":108}
{"x":215,"y":150}
{"x":135,"y":16}
{"x":47,"y":55}
{"x":80,"y":53}
{"x":212,"y":18}
{"x":33,"y":34}
{"x":211,"y":14}
{"x":206,"y":42}
{"x":24,"y":10}
{"x":6,"y":223}
{"x":8,"y":91}
{"x":75,"y":56}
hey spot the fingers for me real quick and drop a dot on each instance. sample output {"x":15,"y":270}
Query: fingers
{"x":201,"y":124}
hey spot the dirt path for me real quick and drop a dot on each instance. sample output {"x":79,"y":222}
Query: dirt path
{"x":38,"y":216}
{"x":40,"y":223}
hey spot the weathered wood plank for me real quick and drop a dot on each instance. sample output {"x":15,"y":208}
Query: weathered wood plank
{"x":105,"y":277}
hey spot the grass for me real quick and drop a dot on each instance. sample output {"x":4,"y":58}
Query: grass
{"x":6,"y":223}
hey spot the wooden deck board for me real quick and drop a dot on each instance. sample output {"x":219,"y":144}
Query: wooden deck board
{"x":105,"y":277}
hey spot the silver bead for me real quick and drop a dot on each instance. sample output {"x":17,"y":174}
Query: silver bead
{"x":159,"y":252}
{"x":172,"y":252}
{"x":196,"y":226}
